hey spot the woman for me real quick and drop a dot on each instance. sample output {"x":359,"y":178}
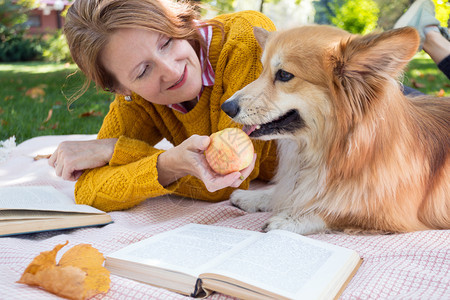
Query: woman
{"x":170,"y":73}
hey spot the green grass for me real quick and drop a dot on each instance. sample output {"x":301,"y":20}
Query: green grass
{"x":26,"y":117}
{"x":31,"y":90}
{"x":423,"y":75}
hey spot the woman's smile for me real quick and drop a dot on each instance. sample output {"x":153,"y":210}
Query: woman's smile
{"x":180,"y":81}
{"x":160,"y":69}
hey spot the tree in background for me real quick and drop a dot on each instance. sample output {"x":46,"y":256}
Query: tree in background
{"x":324,"y":13}
{"x":226,"y":6}
{"x":222,"y":6}
{"x":13,"y":15}
{"x":443,"y":12}
{"x":261,"y":6}
{"x":355,"y":16}
{"x":14,"y":46}
{"x":390,"y":11}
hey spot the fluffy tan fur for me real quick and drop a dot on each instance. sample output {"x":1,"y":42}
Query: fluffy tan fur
{"x":367,"y":157}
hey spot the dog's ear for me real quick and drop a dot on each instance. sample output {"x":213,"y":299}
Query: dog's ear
{"x":261,"y":36}
{"x":364,"y":66}
{"x":387,"y":52}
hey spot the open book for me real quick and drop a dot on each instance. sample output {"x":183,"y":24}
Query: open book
{"x":198,"y":259}
{"x":26,"y":209}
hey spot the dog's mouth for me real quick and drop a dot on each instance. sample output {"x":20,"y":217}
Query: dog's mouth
{"x":288,"y":122}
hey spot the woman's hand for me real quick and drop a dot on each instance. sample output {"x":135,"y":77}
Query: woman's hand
{"x":188,"y":159}
{"x":71,"y":158}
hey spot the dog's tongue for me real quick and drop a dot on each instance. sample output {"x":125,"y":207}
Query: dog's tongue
{"x":249,"y":128}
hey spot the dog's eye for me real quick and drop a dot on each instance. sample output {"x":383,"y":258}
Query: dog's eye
{"x":284,"y":76}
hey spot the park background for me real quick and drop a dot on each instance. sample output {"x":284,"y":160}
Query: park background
{"x":38,"y":77}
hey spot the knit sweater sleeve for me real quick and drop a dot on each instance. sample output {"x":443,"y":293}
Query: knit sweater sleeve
{"x":131,"y":175}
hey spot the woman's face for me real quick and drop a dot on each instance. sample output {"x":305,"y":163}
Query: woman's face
{"x":160,"y":69}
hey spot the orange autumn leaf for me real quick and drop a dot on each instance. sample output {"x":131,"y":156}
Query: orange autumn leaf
{"x":79,"y":275}
{"x":91,"y":113}
{"x":44,"y":260}
{"x":431,"y":78}
{"x":35,"y":92}
{"x":416,"y":84}
{"x":49,"y":115}
{"x":88,"y":259}
{"x":65,"y":282}
{"x":42,"y":156}
{"x":441,"y":93}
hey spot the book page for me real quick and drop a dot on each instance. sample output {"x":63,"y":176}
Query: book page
{"x":20,"y":215}
{"x":44,"y":198}
{"x":287,"y":264}
{"x":187,"y":249}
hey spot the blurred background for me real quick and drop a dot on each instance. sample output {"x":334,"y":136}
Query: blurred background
{"x":38,"y":77}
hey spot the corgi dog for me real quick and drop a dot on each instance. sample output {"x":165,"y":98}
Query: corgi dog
{"x":355,"y":153}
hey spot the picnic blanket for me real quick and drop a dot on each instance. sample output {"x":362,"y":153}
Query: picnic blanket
{"x":397,"y":266}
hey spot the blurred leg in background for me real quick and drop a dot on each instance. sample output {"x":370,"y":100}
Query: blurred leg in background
{"x":434,"y":39}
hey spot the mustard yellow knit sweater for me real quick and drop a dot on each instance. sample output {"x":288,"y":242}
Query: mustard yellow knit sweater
{"x":131,"y":175}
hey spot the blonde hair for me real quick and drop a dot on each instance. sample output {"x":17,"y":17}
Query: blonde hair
{"x":89,"y":24}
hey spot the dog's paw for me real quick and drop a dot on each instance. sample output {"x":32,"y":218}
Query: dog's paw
{"x":303,"y":225}
{"x":251,"y":200}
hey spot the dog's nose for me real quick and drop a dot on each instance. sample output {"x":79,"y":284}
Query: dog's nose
{"x":231,"y":108}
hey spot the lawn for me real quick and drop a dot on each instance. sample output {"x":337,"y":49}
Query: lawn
{"x":423,"y":74}
{"x":33,"y":101}
{"x":33,"y":97}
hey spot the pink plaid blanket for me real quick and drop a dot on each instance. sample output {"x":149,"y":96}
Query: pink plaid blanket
{"x":399,"y":266}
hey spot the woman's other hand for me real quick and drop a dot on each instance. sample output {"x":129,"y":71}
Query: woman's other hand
{"x":188,"y":159}
{"x":71,"y":158}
